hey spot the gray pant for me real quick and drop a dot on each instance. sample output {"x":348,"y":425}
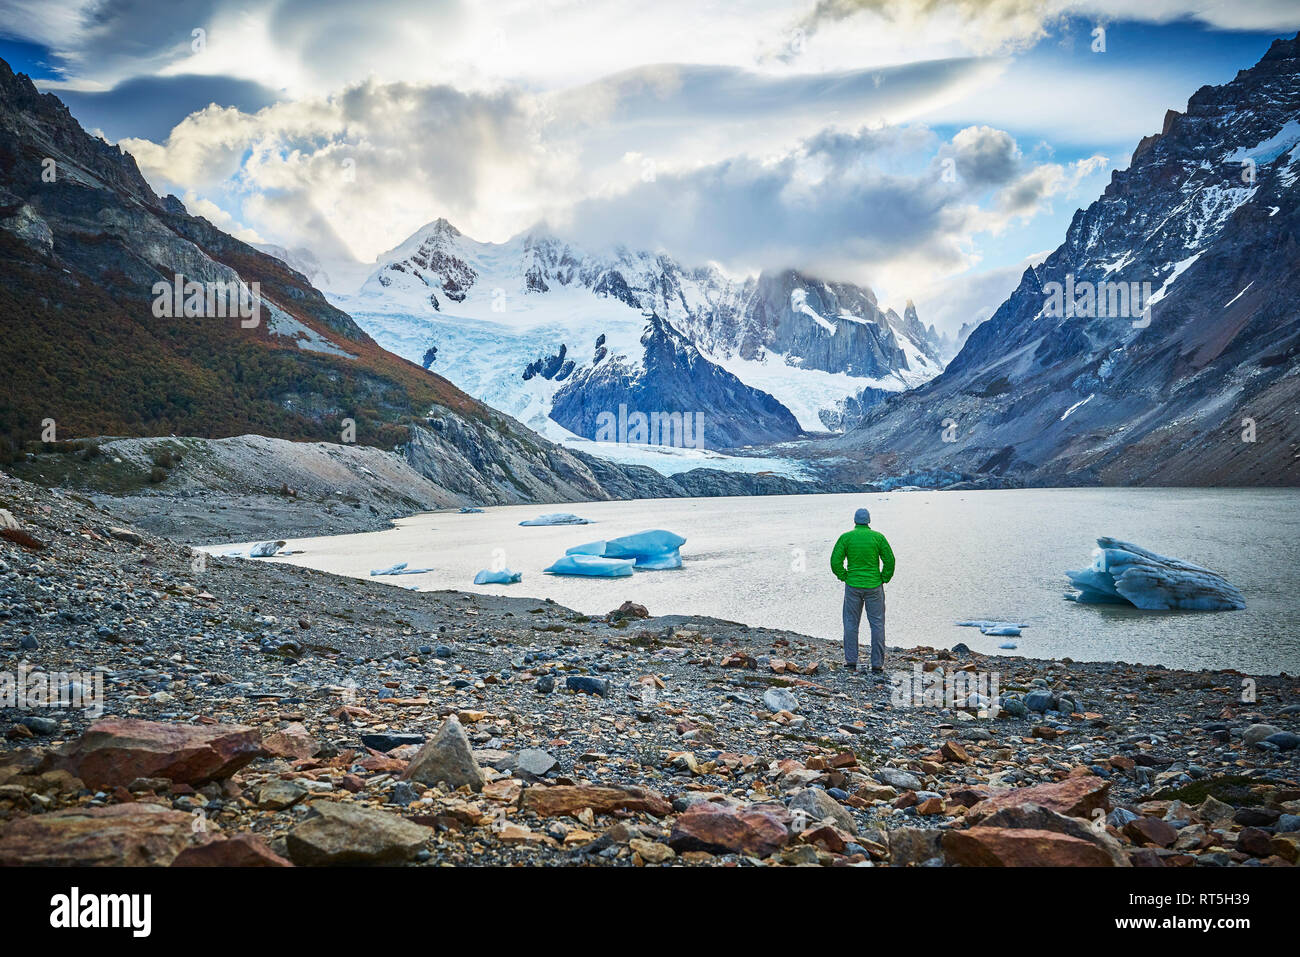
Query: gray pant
{"x":874,"y":599}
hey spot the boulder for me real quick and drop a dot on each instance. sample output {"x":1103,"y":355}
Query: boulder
{"x":241,"y":850}
{"x":1074,"y":797}
{"x":1021,"y":847}
{"x":349,"y":835}
{"x":1036,"y":817}
{"x":119,"y":835}
{"x":897,"y":778}
{"x":1257,"y":733}
{"x":1150,"y":830}
{"x":448,"y":759}
{"x":116,"y":751}
{"x":820,"y":806}
{"x":723,"y":830}
{"x":293,"y":741}
{"x":910,"y":846}
{"x":779,"y":699}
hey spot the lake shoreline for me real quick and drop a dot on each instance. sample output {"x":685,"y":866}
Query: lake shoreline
{"x":613,"y":739}
{"x":976,"y":554}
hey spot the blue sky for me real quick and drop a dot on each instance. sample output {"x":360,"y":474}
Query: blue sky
{"x":751,"y":133}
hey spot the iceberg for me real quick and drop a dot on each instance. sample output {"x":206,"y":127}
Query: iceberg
{"x":1001,"y":631}
{"x":1123,"y":573}
{"x":265,"y":549}
{"x":503,"y":577}
{"x":592,"y":566}
{"x":470,"y":510}
{"x":398,"y":569}
{"x":557,"y":518}
{"x":651,"y":550}
{"x":998,"y":629}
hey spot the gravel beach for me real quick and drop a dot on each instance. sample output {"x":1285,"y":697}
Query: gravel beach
{"x":257,"y":713}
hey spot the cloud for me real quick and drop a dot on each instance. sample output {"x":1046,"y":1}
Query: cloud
{"x":150,"y":107}
{"x":968,"y":297}
{"x":367,"y":166}
{"x":829,"y":207}
{"x":1002,"y":26}
{"x":374,"y":162}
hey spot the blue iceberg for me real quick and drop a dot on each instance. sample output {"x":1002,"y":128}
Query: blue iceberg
{"x":999,"y":629}
{"x":650,"y":550}
{"x":398,"y":569}
{"x":470,"y":510}
{"x":1123,"y":573}
{"x":592,"y":566}
{"x":265,"y":549}
{"x":557,"y":518}
{"x":505,"y":576}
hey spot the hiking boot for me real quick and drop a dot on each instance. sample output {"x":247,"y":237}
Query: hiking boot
{"x":851,"y":665}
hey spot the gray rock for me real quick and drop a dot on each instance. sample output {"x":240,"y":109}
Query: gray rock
{"x":40,"y":725}
{"x":898,"y":778}
{"x":820,"y":806}
{"x":1257,"y":733}
{"x":913,"y":845}
{"x":1041,"y":701}
{"x":779,"y":699}
{"x":277,"y":794}
{"x":535,"y":761}
{"x":1284,"y":740}
{"x":588,"y":685}
{"x":446,"y":759}
{"x":349,"y":835}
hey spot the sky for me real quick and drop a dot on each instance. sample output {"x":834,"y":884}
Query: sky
{"x":931,"y":149}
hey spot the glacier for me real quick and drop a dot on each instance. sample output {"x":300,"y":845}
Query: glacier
{"x":1124,"y":573}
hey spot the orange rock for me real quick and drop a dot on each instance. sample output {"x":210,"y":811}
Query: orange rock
{"x":119,"y":835}
{"x":952,"y":751}
{"x":723,"y":830}
{"x":1020,"y":847}
{"x":241,"y":850}
{"x":116,"y":751}
{"x":571,"y":798}
{"x":1074,"y":797}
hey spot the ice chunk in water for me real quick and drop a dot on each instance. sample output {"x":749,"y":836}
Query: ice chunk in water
{"x":995,"y":628}
{"x":265,"y":549}
{"x":649,"y":544}
{"x":490,"y":576}
{"x":593,"y":566}
{"x":591,"y":548}
{"x":654,"y":549}
{"x":1124,"y":573}
{"x":557,"y":518}
{"x":398,"y":569}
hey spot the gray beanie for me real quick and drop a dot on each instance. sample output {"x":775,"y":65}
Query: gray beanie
{"x":862,"y":517}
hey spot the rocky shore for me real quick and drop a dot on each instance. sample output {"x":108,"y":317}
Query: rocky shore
{"x":267,"y":714}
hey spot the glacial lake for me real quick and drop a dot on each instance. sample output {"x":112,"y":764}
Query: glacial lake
{"x":961,"y":555}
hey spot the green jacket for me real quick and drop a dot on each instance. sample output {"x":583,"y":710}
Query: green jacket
{"x":871,"y":560}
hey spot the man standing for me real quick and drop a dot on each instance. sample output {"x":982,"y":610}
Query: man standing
{"x":870,"y":565}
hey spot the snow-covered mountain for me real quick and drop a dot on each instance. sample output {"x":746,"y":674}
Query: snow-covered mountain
{"x":556,"y":335}
{"x":1160,"y":342}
